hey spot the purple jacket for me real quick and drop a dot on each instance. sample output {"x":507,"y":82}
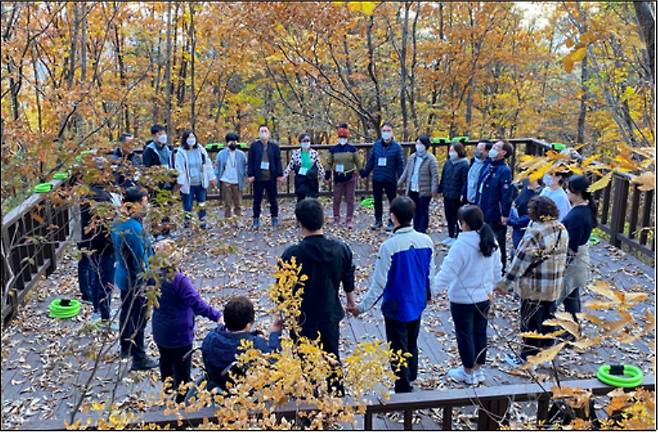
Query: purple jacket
{"x":173,"y":320}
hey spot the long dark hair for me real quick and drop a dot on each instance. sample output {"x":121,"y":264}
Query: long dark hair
{"x":578,"y":184}
{"x":184,"y":137}
{"x":473,"y":216}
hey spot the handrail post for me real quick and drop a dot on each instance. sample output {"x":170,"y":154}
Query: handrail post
{"x":619,"y":204}
{"x":51,"y":246}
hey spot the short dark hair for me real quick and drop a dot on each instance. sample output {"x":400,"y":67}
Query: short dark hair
{"x":403,"y":209}
{"x":157,"y":128}
{"x":303,"y":135}
{"x":488,"y":144}
{"x":134,"y":195}
{"x":238,"y":313}
{"x":424,"y":139}
{"x":263,"y":125}
{"x":124,"y":137}
{"x":541,"y":208}
{"x":387,"y":123}
{"x":343,"y":125}
{"x":232,"y":136}
{"x":459,"y":148}
{"x":309,"y":214}
{"x":508,"y":148}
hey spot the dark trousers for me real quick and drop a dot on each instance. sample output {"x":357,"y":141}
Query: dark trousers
{"x":404,"y":336}
{"x":422,"y":211}
{"x":174,"y":364}
{"x":500,"y":231}
{"x":269,"y":187}
{"x":329,"y":333}
{"x":133,"y":321}
{"x":533,"y":314}
{"x":572,"y":303}
{"x":450,"y":207}
{"x":378,"y":190}
{"x":96,"y":277}
{"x":198,"y":194}
{"x":471,"y":331}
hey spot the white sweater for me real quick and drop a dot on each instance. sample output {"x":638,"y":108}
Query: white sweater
{"x":466,"y":273}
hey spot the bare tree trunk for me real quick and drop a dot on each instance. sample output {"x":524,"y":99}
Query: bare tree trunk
{"x":83,"y":44}
{"x":74,"y":42}
{"x":403,"y":71}
{"x":193,"y":52}
{"x":647,"y":22}
{"x":584,"y":76}
{"x":377,"y":119}
{"x":168,"y":73}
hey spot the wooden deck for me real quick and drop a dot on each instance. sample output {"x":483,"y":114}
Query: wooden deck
{"x":45,"y":362}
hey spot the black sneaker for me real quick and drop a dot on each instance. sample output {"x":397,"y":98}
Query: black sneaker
{"x":377,"y":225}
{"x":390,"y":226}
{"x":125,"y":353}
{"x":144,"y":364}
{"x":256,"y":224}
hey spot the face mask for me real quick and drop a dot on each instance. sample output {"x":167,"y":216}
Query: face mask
{"x":263,"y":135}
{"x":547,"y":180}
{"x":420,"y":148}
{"x":231,"y":146}
{"x":452,"y":155}
{"x":493,"y":153}
{"x":306,"y":145}
{"x":163,"y":139}
{"x":342,"y":141}
{"x":387,"y":135}
{"x":191,"y":141}
{"x":479,"y":154}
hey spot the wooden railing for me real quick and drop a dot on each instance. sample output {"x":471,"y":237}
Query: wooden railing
{"x":34,"y":233}
{"x":493,"y":403}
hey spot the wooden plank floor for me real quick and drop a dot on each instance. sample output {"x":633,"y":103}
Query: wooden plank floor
{"x":45,"y":362}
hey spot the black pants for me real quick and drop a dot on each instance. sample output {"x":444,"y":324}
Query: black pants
{"x":422,"y":212}
{"x":132,"y":321}
{"x":174,"y":364}
{"x":471,"y":332}
{"x":329,"y":333}
{"x":450,"y":207}
{"x":533,"y":314}
{"x":404,"y":336}
{"x":572,"y":303}
{"x":500,"y":231}
{"x":378,"y":189}
{"x":268,"y":186}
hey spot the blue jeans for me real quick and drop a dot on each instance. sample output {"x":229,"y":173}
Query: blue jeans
{"x":198,"y":193}
{"x":471,"y":331}
{"x":84,"y":270}
{"x":96,"y":278}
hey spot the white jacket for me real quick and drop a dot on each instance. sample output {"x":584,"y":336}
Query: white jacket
{"x":182,"y":166}
{"x":466,"y":273}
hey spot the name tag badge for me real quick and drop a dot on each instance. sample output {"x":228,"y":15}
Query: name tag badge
{"x":340,"y":168}
{"x":303,"y":171}
{"x":381,"y":162}
{"x":264,"y":165}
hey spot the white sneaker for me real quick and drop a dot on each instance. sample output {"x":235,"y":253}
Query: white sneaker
{"x":459,"y":375}
{"x":479,"y":376}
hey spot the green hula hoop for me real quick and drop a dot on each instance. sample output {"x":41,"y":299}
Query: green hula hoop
{"x":61,"y":176}
{"x":632,"y":377}
{"x":368,"y":202}
{"x":43,"y":187}
{"x":59,"y":311}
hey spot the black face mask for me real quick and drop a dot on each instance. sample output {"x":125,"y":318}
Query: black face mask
{"x":231,"y":146}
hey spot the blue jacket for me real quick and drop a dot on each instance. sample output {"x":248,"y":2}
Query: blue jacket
{"x":403,"y":273}
{"x":453,"y":178}
{"x":494,"y":193}
{"x":255,"y":156}
{"x":220,"y":347}
{"x":394,"y":162}
{"x":173,"y":319}
{"x":132,"y":250}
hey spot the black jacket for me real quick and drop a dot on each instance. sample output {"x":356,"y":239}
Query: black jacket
{"x":99,"y":239}
{"x":255,"y":156}
{"x":327,"y":262}
{"x":453,"y":178}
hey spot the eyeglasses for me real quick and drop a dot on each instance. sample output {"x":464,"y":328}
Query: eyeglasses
{"x":306,"y":141}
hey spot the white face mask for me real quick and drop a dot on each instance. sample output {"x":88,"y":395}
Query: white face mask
{"x":163,"y":139}
{"x":452,"y":154}
{"x":547,"y":180}
{"x":306,"y":145}
{"x":263,"y":135}
{"x":420,"y":148}
{"x":342,"y":141}
{"x":387,"y":135}
{"x":493,"y":153}
{"x":191,"y":140}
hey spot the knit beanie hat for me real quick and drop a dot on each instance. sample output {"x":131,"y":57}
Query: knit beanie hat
{"x":343,"y":131}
